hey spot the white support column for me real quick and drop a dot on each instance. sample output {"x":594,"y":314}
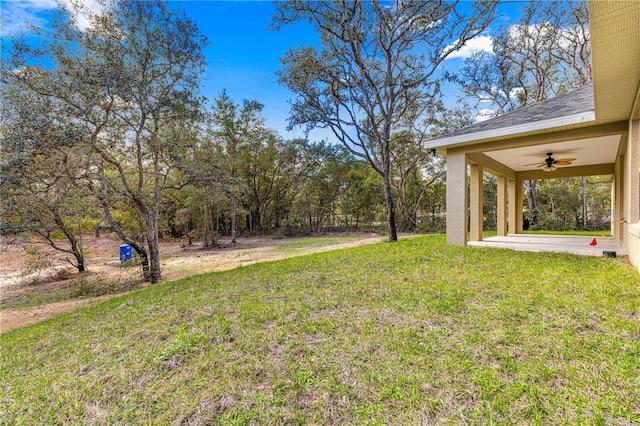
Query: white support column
{"x":476,"y":202}
{"x":456,"y":198}
{"x":501,"y":226}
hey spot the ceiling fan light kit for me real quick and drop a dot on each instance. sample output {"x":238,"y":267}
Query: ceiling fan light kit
{"x":550,"y":164}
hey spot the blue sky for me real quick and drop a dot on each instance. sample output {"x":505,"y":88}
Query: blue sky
{"x":243,"y":54}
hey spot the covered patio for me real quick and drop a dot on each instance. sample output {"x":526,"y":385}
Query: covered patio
{"x":573,"y":244}
{"x":597,"y":127}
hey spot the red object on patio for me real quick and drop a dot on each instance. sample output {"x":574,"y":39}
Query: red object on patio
{"x":593,"y":243}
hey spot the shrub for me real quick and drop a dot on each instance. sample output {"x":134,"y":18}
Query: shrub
{"x":35,"y":264}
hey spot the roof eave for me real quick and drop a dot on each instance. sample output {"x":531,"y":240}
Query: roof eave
{"x":542,"y":126}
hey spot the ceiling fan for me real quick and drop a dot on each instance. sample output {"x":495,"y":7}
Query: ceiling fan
{"x":550,"y":164}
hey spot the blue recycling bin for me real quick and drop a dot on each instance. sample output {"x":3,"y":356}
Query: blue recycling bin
{"x":125,"y":252}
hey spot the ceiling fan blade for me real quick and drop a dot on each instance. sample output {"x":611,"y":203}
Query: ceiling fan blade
{"x":562,"y":162}
{"x":565,"y":159}
{"x":532,"y":164}
{"x":541,"y":166}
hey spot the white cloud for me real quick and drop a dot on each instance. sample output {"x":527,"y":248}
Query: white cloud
{"x":19,"y":15}
{"x":83,"y":11}
{"x":516,"y":92}
{"x":485,"y":114}
{"x":475,"y":45}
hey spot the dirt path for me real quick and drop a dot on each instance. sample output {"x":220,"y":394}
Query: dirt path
{"x":178,"y":262}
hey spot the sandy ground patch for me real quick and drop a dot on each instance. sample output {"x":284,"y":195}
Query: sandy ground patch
{"x":178,"y":261}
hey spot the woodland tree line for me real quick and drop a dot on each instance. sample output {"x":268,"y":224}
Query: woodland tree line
{"x":105,"y":127}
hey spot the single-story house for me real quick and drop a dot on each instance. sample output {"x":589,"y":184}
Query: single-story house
{"x":598,"y":125}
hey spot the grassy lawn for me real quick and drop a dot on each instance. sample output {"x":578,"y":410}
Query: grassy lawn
{"x":409,"y":333}
{"x":315,"y":242}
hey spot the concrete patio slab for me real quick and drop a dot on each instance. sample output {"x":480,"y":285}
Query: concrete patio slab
{"x":552,"y":243}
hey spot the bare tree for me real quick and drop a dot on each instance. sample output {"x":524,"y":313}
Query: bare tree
{"x":545,"y":54}
{"x":376,"y":65}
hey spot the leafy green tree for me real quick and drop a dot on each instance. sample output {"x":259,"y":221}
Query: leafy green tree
{"x":273,"y":170}
{"x":234,"y":128}
{"x":414,"y":169}
{"x":327,"y":178}
{"x":128,"y":80}
{"x":204,"y":171}
{"x":574,"y":203}
{"x":363,"y":200}
{"x":38,"y":169}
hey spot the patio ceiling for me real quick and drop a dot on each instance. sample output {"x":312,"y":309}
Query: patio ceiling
{"x":601,"y":150}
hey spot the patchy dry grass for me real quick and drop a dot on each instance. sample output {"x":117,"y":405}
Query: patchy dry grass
{"x":315,"y":243}
{"x":409,"y":333}
{"x":75,"y":286}
{"x":59,"y":290}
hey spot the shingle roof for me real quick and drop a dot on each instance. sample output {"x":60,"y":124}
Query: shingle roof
{"x":575,"y":102}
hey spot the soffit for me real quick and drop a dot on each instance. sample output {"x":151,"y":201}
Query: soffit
{"x":615,"y":55}
{"x":587,"y":152}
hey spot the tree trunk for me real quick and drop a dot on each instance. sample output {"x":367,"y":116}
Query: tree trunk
{"x":77,"y":253}
{"x":144,"y":260}
{"x":407,"y":219}
{"x":391,"y":208}
{"x":308,"y":205}
{"x":210,"y":235}
{"x":206,"y":227}
{"x":233,"y":219}
{"x":139,"y":248}
{"x":76,"y":248}
{"x":256,"y":219}
{"x":151,"y":221}
{"x":532,"y":200}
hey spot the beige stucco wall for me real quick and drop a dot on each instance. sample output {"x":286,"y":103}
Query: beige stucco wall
{"x":617,"y":216}
{"x":633,"y":246}
{"x":631,"y":195}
